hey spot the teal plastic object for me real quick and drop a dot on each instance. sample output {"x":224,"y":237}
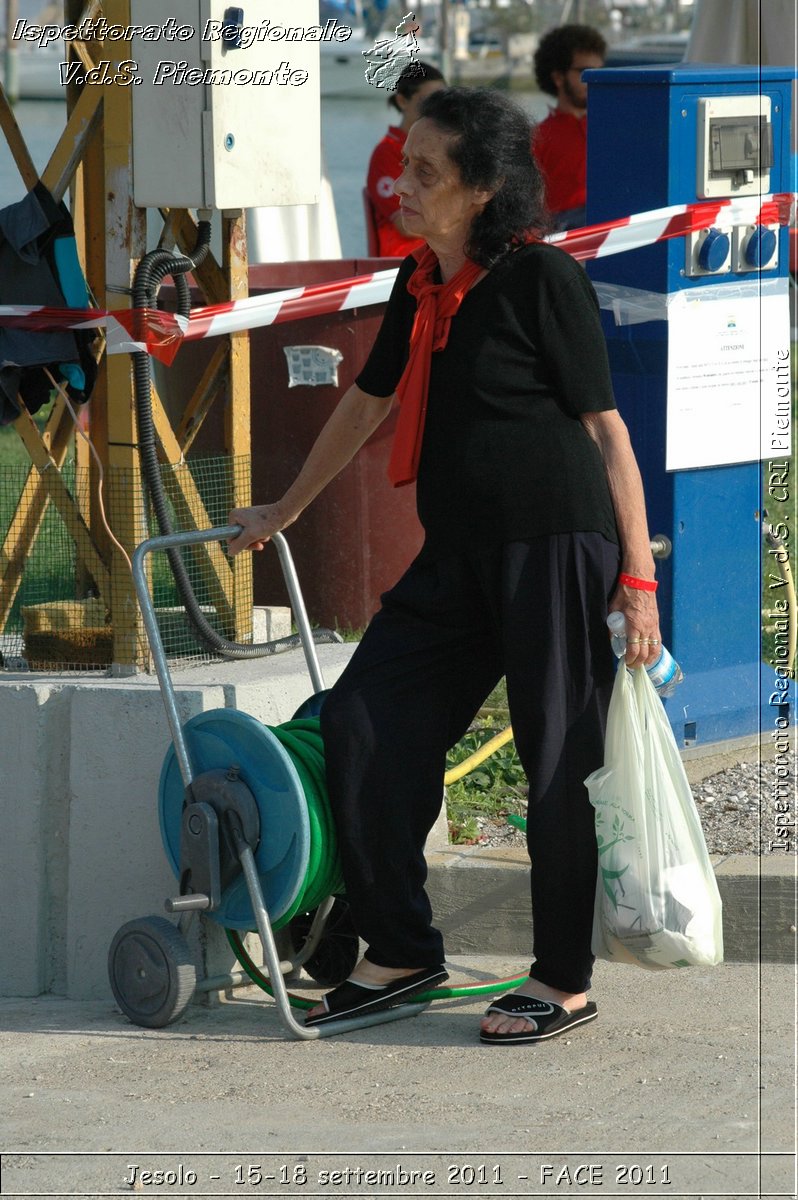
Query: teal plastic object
{"x":218,"y":739}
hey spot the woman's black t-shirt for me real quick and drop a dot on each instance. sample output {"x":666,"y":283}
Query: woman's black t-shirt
{"x":504,"y":455}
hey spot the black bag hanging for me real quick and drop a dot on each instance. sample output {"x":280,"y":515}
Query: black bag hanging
{"x":39,"y":266}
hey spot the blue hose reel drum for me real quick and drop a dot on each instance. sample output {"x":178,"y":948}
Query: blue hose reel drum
{"x":216,"y":740}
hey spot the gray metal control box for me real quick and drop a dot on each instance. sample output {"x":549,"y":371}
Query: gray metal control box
{"x":226,"y":104}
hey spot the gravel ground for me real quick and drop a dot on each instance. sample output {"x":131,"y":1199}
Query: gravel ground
{"x":729,"y":804}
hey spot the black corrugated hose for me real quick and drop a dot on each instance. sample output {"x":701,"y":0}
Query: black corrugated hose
{"x":151,"y":271}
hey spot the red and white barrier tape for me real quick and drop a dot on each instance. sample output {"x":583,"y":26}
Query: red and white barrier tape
{"x":161,"y":334}
{"x":660,"y":224}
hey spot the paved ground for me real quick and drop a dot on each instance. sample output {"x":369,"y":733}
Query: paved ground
{"x":684,"y":1087}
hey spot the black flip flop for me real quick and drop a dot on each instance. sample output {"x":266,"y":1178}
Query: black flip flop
{"x":351,"y":998}
{"x":550,"y":1019}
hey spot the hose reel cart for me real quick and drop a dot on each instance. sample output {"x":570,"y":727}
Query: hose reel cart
{"x":247,"y":831}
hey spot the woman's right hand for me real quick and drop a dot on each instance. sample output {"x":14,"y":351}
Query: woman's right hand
{"x":257,"y":526}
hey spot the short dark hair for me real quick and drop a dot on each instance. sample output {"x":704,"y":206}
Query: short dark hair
{"x":414,"y":76}
{"x":556,"y":50}
{"x":492,"y":149}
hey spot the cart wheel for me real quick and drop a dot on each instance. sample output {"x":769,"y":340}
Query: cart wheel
{"x":152,"y":971}
{"x":339,"y":948}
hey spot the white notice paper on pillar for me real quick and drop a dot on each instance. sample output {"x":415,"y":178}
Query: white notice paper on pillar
{"x":728,"y":377}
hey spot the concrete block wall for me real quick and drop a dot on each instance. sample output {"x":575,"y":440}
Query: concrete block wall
{"x":116,"y":865}
{"x":80,"y":851}
{"x":35,"y":820}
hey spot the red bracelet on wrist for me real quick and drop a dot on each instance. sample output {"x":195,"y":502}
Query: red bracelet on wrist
{"x":642,"y":585}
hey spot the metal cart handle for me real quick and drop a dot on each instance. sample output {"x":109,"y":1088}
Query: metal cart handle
{"x":197,"y":537}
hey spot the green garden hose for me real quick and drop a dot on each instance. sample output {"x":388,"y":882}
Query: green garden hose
{"x":303,"y":743}
{"x":488,"y":988}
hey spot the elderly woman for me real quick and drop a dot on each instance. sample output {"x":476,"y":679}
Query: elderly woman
{"x":533,"y":511}
{"x":416,"y":82}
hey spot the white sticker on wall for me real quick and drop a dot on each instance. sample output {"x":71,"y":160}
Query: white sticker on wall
{"x":312,"y":366}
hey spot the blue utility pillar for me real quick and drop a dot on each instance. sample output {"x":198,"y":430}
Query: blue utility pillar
{"x":699,"y":343}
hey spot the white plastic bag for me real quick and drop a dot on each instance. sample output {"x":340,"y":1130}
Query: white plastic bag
{"x":657,"y":902}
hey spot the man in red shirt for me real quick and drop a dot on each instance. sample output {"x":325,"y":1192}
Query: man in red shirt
{"x":415,"y":83}
{"x":560,"y":141}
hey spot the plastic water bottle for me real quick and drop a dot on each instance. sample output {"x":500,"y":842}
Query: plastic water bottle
{"x":665,"y":673}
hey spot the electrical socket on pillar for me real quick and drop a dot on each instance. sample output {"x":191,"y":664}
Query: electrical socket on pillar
{"x":755,"y":248}
{"x":709,"y":251}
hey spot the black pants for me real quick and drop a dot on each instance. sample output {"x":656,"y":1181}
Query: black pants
{"x":445,"y":635}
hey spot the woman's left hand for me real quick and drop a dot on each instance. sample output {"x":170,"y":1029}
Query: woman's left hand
{"x":643,"y":641}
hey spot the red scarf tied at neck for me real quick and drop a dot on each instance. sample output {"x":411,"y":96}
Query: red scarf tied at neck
{"x":437,"y":303}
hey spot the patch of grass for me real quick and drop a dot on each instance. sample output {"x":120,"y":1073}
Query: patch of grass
{"x":349,"y":635}
{"x":12,"y":450}
{"x":52,"y":556}
{"x":494,"y":788}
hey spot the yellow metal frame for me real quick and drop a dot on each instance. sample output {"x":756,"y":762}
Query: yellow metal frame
{"x":93,"y":158}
